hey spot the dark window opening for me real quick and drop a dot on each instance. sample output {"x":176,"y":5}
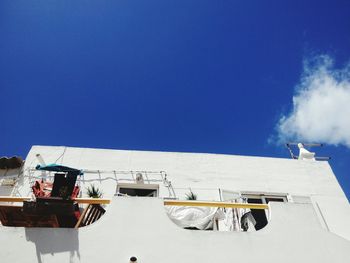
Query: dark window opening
{"x":274,"y":199}
{"x":138,"y":189}
{"x":138,"y":192}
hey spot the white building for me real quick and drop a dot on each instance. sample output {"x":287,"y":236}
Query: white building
{"x":308,"y":213}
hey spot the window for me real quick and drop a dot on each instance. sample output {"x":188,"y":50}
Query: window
{"x":261,"y":215}
{"x":150,"y":190}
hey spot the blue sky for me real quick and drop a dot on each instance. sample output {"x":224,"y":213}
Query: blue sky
{"x":192,"y":76}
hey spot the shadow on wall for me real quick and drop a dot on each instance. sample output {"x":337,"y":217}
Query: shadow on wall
{"x":51,"y":241}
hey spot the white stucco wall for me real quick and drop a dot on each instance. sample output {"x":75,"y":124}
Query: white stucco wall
{"x":205,"y":174}
{"x":139,"y":227}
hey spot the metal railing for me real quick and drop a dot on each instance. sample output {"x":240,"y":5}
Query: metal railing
{"x":166,"y":202}
{"x":215,"y":204}
{"x":15,"y":199}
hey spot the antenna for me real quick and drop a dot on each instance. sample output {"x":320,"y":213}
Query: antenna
{"x":306,"y":144}
{"x":291,"y":145}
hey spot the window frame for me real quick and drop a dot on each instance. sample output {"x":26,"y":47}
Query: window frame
{"x":264,"y":195}
{"x":154,"y":187}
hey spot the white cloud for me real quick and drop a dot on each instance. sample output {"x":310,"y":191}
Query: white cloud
{"x":321,"y":105}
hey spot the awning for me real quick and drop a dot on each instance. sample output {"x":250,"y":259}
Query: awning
{"x":58,"y":168}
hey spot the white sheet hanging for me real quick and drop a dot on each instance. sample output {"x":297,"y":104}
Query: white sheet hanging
{"x":198,"y":217}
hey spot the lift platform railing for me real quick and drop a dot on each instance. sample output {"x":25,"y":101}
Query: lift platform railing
{"x":15,"y":199}
{"x":215,"y":204}
{"x":166,"y":202}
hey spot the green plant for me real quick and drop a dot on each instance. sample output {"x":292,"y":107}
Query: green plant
{"x":93,"y":191}
{"x":191,"y":196}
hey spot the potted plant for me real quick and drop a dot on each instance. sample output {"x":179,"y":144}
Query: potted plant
{"x":93,"y":191}
{"x":191,"y":196}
